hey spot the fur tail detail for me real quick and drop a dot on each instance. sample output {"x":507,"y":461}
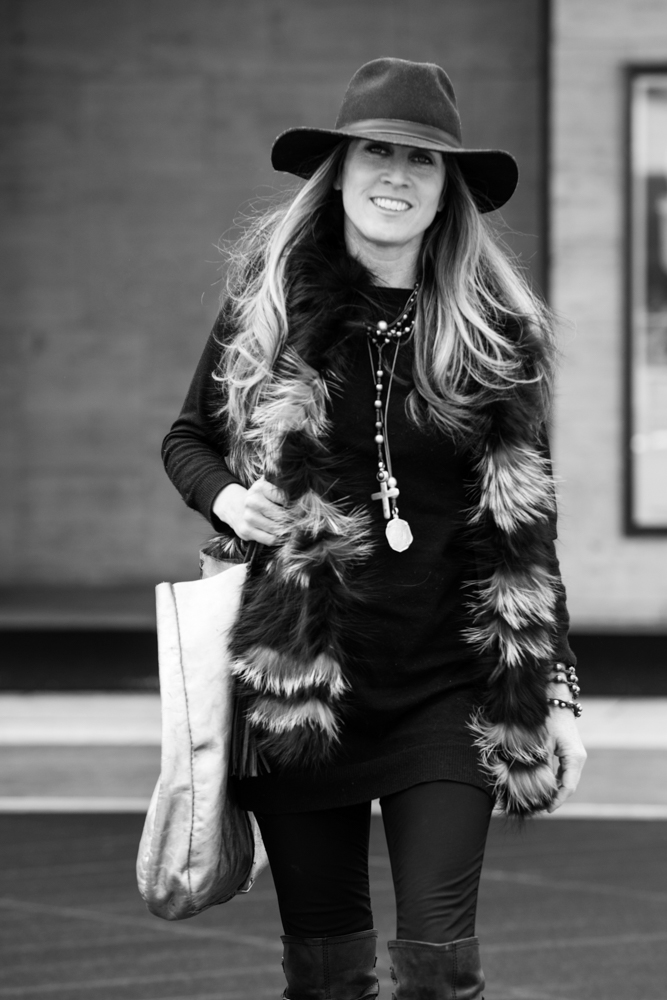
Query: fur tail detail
{"x":270,"y":671}
{"x":518,"y":763}
{"x":282,"y":731}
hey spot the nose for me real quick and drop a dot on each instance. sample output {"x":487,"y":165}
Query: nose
{"x":396,"y":171}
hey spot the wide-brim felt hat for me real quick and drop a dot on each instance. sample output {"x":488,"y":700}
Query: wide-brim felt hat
{"x":409,"y":104}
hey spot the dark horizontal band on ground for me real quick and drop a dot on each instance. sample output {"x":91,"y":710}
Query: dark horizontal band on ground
{"x":113,"y":659}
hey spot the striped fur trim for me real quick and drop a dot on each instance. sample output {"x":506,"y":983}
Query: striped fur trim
{"x":517,"y":761}
{"x":282,"y":733}
{"x":519,"y":597}
{"x":269,"y":671}
{"x":516,"y":487}
{"x":289,"y":665}
{"x":513,"y":611}
{"x":515,"y":648}
{"x":295,"y":399}
{"x":340,"y":539}
{"x":274,"y":715}
{"x":514,"y":616}
{"x":300,"y":596}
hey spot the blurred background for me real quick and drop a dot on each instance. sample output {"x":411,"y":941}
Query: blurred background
{"x":134,"y":132}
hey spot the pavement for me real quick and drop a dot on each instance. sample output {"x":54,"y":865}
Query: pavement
{"x":574,"y":909}
{"x":100,"y":752}
{"x":571,"y":910}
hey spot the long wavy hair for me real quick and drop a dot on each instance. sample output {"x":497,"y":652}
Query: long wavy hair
{"x":474,"y":308}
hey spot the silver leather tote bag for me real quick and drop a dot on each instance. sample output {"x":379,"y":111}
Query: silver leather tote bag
{"x":198,"y":847}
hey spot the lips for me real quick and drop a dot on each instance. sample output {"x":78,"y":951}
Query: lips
{"x":391,"y":204}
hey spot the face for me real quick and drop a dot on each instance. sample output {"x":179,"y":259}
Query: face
{"x":390,"y":193}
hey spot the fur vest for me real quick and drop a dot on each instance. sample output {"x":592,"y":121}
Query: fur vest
{"x":300,"y":595}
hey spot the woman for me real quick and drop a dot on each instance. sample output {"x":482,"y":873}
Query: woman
{"x":371,"y":410}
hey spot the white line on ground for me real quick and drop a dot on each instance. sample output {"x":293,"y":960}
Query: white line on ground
{"x":79,"y":718}
{"x":607,"y":810}
{"x":129,"y":804}
{"x":588,"y":941}
{"x":127,"y":718}
{"x":144,"y":923}
{"x":571,"y":885}
{"x":71,"y":804}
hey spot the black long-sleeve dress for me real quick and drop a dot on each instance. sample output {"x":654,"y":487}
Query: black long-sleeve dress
{"x":414,"y":680}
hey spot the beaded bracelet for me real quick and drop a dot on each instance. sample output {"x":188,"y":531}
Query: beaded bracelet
{"x":574,"y":706}
{"x":566,"y":675}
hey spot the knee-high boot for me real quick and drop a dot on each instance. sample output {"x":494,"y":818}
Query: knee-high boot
{"x":422,"y":971}
{"x":330,"y":968}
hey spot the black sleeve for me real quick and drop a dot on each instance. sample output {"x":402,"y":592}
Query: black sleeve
{"x":563,"y":652}
{"x":194,"y":450}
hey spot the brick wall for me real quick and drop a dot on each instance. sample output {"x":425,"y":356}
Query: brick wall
{"x":133,"y":132}
{"x":614,"y":581}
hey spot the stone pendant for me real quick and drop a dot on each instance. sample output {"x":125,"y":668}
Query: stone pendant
{"x":398,"y":534}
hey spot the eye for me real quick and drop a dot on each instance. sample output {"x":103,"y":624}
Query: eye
{"x":422,"y":156}
{"x":377,"y":148}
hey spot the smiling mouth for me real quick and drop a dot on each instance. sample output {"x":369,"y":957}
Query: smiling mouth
{"x":391,"y":204}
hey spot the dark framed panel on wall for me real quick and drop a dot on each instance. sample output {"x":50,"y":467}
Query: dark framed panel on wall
{"x":646,"y":298}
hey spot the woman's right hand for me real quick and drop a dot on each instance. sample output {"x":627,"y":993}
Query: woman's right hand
{"x":254,"y":515}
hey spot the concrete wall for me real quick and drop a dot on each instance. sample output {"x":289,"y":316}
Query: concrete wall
{"x":614,"y":581}
{"x":133,"y":130}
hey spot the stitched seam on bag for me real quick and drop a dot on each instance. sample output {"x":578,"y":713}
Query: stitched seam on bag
{"x":192,"y":749}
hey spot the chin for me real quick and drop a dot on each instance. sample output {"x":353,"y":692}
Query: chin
{"x":395,"y":240}
{"x":390,"y":232}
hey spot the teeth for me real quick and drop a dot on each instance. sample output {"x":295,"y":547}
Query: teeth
{"x":391,"y":205}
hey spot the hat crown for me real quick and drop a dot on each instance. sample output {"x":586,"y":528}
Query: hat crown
{"x":399,"y":90}
{"x":408,"y":104}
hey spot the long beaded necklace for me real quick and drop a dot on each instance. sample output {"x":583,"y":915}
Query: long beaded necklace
{"x":380,"y":337}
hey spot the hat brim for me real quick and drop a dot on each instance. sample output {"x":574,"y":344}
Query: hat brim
{"x":491,"y":174}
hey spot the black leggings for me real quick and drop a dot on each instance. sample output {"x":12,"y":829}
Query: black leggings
{"x":436,"y":834}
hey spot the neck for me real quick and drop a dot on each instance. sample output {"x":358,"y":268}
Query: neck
{"x":392,"y":266}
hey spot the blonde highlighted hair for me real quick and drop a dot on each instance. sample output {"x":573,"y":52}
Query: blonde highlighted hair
{"x":472,"y":293}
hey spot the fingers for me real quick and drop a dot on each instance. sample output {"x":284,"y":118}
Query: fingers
{"x":266,"y":498}
{"x":571,"y":763}
{"x":569,"y":779}
{"x":558,"y":801}
{"x":562,"y":796}
{"x":263,"y":514}
{"x":270,"y":492}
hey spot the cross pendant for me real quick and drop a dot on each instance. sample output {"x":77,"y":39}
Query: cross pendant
{"x":385,"y":493}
